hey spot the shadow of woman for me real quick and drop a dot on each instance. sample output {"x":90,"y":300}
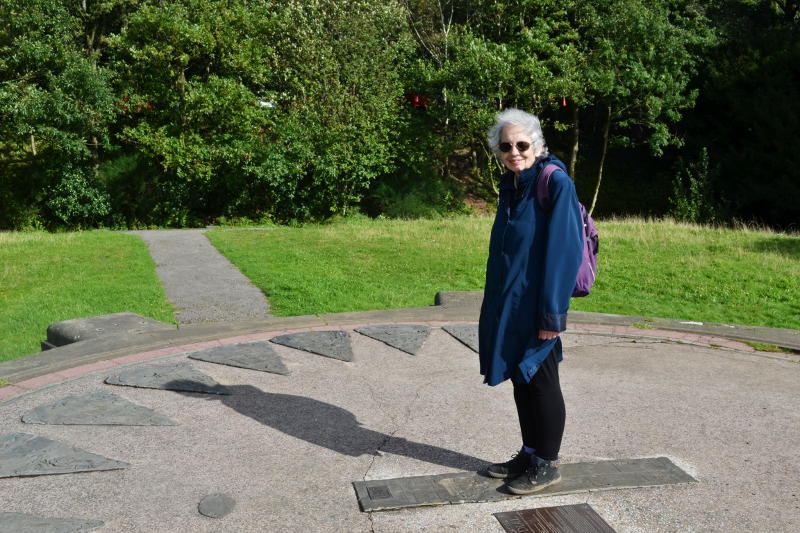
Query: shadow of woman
{"x":331,"y":427}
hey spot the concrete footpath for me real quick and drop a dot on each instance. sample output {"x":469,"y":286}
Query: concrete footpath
{"x":199,"y":281}
{"x":286,"y":448}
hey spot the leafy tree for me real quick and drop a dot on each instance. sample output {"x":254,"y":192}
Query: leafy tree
{"x":640,"y":58}
{"x":483,"y":56}
{"x":632,"y":59}
{"x":55,"y":106}
{"x":260,"y":106}
{"x":747,"y":113}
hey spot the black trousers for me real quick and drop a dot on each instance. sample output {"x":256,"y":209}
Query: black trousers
{"x":540,"y":406}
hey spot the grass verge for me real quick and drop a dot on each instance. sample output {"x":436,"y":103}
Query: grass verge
{"x":646,"y":268}
{"x":46,"y":278}
{"x":763,"y":347}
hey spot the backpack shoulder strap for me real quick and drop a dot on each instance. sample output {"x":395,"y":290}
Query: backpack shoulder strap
{"x":543,"y":186}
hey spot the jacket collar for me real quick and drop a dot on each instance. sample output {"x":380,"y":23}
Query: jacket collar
{"x":526,"y":176}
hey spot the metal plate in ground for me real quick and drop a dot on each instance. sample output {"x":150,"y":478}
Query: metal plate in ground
{"x":169,"y":376}
{"x":96,"y":408}
{"x":406,"y":337}
{"x":466,"y":333}
{"x":22,"y":454}
{"x":580,"y":518}
{"x":333,"y":344}
{"x":470,"y":487}
{"x":28,"y":523}
{"x":253,"y":356}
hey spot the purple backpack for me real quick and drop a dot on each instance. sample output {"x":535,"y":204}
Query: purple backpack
{"x":591,"y":243}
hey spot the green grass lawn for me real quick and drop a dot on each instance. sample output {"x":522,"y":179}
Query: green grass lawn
{"x":657,"y":269}
{"x":654,"y":269}
{"x":359,"y":264}
{"x":46,"y":278}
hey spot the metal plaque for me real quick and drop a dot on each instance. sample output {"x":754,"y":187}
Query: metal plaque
{"x":472,"y":487}
{"x":580,"y":518}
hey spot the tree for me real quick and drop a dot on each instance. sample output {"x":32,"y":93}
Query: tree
{"x":747,"y":112}
{"x":55,"y":106}
{"x":483,"y":56}
{"x":261,"y":106}
{"x":640,"y":58}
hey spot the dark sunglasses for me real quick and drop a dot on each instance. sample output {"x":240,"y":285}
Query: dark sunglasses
{"x":522,"y":146}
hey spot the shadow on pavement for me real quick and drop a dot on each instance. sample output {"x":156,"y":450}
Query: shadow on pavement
{"x":331,"y":427}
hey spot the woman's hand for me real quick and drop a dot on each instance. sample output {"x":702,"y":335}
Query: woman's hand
{"x":545,"y":335}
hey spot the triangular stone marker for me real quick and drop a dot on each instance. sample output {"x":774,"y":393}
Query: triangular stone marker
{"x":169,"y":376}
{"x":28,"y":523}
{"x":253,"y":356}
{"x":406,"y":337}
{"x":96,"y":408}
{"x":466,"y":333}
{"x":333,"y":344}
{"x":22,"y":454}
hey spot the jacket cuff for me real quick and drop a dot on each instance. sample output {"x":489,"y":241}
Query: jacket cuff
{"x":552,"y":322}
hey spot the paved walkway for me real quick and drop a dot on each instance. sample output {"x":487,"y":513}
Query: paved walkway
{"x":287,"y":448}
{"x":200,"y":282}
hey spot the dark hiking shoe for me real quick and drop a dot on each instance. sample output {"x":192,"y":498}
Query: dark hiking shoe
{"x":517,"y":465}
{"x":539,"y":475}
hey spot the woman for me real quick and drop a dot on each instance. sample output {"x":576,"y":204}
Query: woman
{"x":534,"y":255}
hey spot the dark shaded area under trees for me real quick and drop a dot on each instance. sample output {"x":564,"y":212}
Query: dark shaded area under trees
{"x":124,"y":113}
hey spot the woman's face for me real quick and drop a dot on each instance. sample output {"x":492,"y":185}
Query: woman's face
{"x":514,"y":160}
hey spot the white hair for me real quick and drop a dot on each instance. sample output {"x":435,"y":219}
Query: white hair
{"x":516,"y":117}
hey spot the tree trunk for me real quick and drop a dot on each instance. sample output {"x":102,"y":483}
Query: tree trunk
{"x":33,"y":144}
{"x":576,"y":133}
{"x":602,"y":160}
{"x":95,"y":158}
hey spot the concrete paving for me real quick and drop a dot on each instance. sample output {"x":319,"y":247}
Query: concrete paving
{"x":200,"y":282}
{"x":287,"y":448}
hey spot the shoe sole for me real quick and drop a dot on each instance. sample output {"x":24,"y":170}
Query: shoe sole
{"x":536,"y":488}
{"x":502,"y":476}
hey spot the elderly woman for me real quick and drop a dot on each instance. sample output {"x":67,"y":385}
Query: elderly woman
{"x":534,"y":255}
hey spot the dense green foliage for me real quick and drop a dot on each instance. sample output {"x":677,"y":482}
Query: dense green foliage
{"x":179,"y":112}
{"x":46,"y":278}
{"x":748,"y":113}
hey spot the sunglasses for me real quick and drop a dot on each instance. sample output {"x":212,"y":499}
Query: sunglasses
{"x":522,"y":146}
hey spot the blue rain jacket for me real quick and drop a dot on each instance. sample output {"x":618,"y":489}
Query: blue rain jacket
{"x":530,"y":274}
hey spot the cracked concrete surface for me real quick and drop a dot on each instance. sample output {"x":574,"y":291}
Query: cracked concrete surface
{"x":287,"y":448}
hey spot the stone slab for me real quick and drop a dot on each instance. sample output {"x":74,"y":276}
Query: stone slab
{"x":406,"y":337}
{"x":216,"y":505}
{"x":22,"y":454}
{"x":96,"y":408}
{"x":168,"y":376}
{"x":466,"y":333}
{"x":472,"y":487}
{"x":578,"y":518}
{"x":333,"y":344}
{"x":27,"y":523}
{"x":80,"y":329}
{"x":253,"y":356}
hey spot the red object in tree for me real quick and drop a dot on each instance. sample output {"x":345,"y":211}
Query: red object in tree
{"x":563,"y":101}
{"x":418,"y":101}
{"x":149,"y":106}
{"x":124,"y":98}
